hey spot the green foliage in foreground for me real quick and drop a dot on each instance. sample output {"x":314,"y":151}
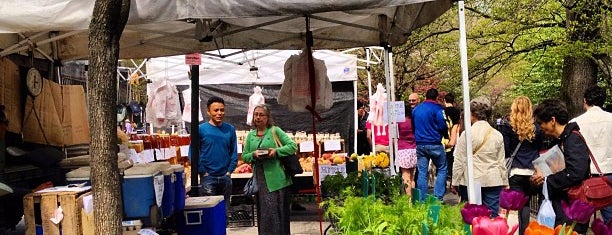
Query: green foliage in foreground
{"x":359,"y":215}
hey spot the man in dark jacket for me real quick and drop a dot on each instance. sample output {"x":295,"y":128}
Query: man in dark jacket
{"x":429,"y":128}
{"x":363,"y":146}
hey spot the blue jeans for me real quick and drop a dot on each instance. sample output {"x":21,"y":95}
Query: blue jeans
{"x":606,"y":213}
{"x":438,"y":157}
{"x":216,"y":185}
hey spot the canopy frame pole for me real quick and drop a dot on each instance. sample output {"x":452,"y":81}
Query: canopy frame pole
{"x":344,"y":23}
{"x":466,"y":103}
{"x":315,"y":114}
{"x":356,"y":117}
{"x":25,"y":40}
{"x":39,"y":43}
{"x":372,"y":137}
{"x":392,"y":122}
{"x":288,"y":18}
{"x":195,"y":133}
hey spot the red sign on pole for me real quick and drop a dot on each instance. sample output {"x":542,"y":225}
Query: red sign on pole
{"x":193,"y":59}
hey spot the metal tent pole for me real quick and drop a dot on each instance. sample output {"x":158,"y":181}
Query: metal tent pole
{"x":466,"y":102}
{"x":356,"y":117}
{"x":368,"y":59}
{"x":195,"y":134}
{"x":392,"y":122}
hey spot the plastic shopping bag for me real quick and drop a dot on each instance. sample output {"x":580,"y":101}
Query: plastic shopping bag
{"x":546,"y":214}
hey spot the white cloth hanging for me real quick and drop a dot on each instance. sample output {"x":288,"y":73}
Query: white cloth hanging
{"x":187,"y":109}
{"x":295,"y":91}
{"x":377,"y":105}
{"x":255,"y":99}
{"x":163,"y":107}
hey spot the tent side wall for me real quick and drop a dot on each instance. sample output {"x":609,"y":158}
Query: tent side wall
{"x":339,"y":119}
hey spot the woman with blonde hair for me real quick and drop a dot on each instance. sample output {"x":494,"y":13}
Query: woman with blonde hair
{"x":522,"y":141}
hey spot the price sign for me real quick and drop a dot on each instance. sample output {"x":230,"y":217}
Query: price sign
{"x":400,"y":112}
{"x":147,"y":156}
{"x":239,"y":148}
{"x":332,"y":145}
{"x":193,"y":59}
{"x":306,"y":147}
{"x":325,"y":170}
{"x":185,"y":150}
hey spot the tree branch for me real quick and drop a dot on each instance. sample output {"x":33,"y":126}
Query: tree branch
{"x":417,"y":42}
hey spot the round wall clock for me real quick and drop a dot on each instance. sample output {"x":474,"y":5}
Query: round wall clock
{"x":34,"y":82}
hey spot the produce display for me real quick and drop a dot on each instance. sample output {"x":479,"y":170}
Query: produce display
{"x":381,"y":159}
{"x":243,"y":167}
{"x":306,"y":161}
{"x":332,"y":158}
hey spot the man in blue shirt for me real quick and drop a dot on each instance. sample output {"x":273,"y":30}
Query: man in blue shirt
{"x":429,"y":128}
{"x":218,"y":152}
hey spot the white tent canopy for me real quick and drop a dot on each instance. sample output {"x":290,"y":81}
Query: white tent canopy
{"x":57,"y":29}
{"x":231,"y":66}
{"x":162,"y":28}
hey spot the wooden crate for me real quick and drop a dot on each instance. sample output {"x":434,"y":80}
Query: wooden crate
{"x":49,"y":201}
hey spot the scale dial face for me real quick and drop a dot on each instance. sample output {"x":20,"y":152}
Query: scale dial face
{"x":34,"y":82}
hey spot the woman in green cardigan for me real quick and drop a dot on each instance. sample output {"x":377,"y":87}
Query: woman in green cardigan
{"x":261,"y":149}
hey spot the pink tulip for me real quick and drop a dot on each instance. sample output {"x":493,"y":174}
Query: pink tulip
{"x":471,"y":211}
{"x":487,"y":226}
{"x":599,"y":228}
{"x":512,"y":199}
{"x":579,"y":211}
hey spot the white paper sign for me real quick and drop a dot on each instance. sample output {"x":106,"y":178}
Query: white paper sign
{"x":147,"y":156}
{"x":169,"y":152}
{"x":88,"y":204}
{"x":185,"y":150}
{"x":306,"y":147}
{"x":332,"y":145}
{"x":159,"y":155}
{"x":400,"y":112}
{"x":158,"y":185}
{"x":134,"y":156}
{"x":239,"y":148}
{"x":325,"y":170}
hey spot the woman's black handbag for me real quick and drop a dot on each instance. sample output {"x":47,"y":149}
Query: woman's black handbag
{"x":290,"y":163}
{"x":250,"y":188}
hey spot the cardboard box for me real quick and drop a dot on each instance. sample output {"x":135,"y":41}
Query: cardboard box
{"x":58,"y":116}
{"x":10,"y":94}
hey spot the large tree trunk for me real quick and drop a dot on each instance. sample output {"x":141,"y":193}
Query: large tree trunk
{"x":107,"y":24}
{"x":579,"y":73}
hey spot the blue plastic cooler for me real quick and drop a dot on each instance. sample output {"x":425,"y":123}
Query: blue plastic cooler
{"x":138,"y":190}
{"x":179,"y":187}
{"x":167,"y":206}
{"x":202,"y":215}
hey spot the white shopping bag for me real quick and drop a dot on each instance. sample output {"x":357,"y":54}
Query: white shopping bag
{"x":546,"y":214}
